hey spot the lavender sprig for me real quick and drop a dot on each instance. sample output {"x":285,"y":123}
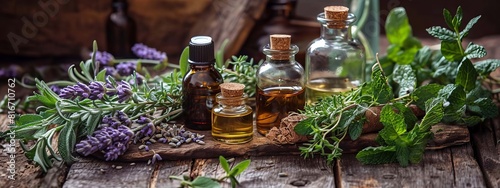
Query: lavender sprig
{"x":145,"y":52}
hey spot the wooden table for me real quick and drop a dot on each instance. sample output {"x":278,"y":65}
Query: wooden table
{"x":475,"y":164}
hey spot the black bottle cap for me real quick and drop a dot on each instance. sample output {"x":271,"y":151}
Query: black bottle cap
{"x":201,"y":50}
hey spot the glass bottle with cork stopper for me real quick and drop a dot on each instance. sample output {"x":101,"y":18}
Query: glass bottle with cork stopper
{"x":335,"y":63}
{"x":280,"y":83}
{"x":232,"y":119}
{"x":200,"y":84}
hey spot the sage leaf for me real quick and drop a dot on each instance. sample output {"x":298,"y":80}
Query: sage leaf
{"x":452,"y":50}
{"x":467,"y":28}
{"x":475,"y":51}
{"x":467,"y":75}
{"x":442,"y":33}
{"x":405,"y":77}
{"x":397,"y":26}
{"x":204,"y":182}
{"x":485,"y":67}
{"x":67,"y":140}
{"x":28,"y":118}
{"x":377,"y":155}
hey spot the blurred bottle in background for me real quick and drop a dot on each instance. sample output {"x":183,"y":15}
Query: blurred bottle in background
{"x":120,"y":31}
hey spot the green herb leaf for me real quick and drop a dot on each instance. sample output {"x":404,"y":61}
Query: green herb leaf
{"x":219,"y":55}
{"x":394,"y":125}
{"x":378,"y":87}
{"x":224,"y":164}
{"x":448,"y":18}
{"x":466,"y":75}
{"x":402,"y":154}
{"x":101,"y":76}
{"x":204,"y":182}
{"x":471,"y":23}
{"x":433,"y":114}
{"x":377,"y":155}
{"x":484,"y":107}
{"x":405,"y":77}
{"x":457,"y":20}
{"x":485,"y":67}
{"x":67,"y":140}
{"x":442,"y":33}
{"x":355,"y":129}
{"x":304,"y":127}
{"x":239,"y":168}
{"x":183,"y":61}
{"x":397,"y":26}
{"x":409,"y":116}
{"x":472,"y":120}
{"x":452,"y":50}
{"x":475,"y":51}
{"x":28,"y":118}
{"x":424,"y":93}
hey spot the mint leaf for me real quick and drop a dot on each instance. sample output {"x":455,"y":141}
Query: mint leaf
{"x":394,"y":125}
{"x":433,"y":114}
{"x":484,"y":107}
{"x":485,"y":67}
{"x":378,"y":87}
{"x":402,"y":154}
{"x":239,"y":168}
{"x":377,"y":155}
{"x":204,"y":182}
{"x":409,"y":116}
{"x":442,"y":33}
{"x":457,"y":20}
{"x":466,"y":75}
{"x":448,"y":18}
{"x":471,"y":23}
{"x":420,"y":140}
{"x":472,"y":120}
{"x":224,"y":164}
{"x":454,"y":104}
{"x":424,"y":93}
{"x":397,"y":27}
{"x":405,"y":77}
{"x":423,"y":56}
{"x":475,"y":51}
{"x":451,"y":50}
{"x":304,"y":127}
{"x":355,"y":129}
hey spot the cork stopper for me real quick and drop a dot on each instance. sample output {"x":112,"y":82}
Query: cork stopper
{"x":231,"y":94}
{"x":231,"y":89}
{"x":280,"y":42}
{"x":338,"y":14}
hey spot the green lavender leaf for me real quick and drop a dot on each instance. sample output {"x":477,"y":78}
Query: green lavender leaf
{"x":466,"y":75}
{"x":204,"y":182}
{"x":424,"y":93}
{"x":397,"y":26}
{"x":442,"y":33}
{"x":239,"y":168}
{"x":475,"y":51}
{"x":224,"y":164}
{"x":451,"y":50}
{"x":67,"y":140}
{"x":485,"y":67}
{"x":183,"y":61}
{"x":405,"y":77}
{"x":377,"y":155}
{"x":92,"y":122}
{"x":101,"y":76}
{"x":471,"y":23}
{"x":28,"y":118}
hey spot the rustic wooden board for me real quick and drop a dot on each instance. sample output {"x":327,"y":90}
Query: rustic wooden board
{"x":437,"y":169}
{"x":170,"y":168}
{"x":445,"y":135}
{"x":96,"y":173}
{"x":264,"y":171}
{"x":486,"y":141}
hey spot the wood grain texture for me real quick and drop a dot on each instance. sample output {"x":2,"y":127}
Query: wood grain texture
{"x":232,"y":20}
{"x":437,"y":169}
{"x":264,"y":171}
{"x":95,"y":173}
{"x":170,"y":168}
{"x":486,"y":141}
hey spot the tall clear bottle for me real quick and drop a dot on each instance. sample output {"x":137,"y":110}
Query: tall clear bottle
{"x":335,"y":63}
{"x":280,"y":84}
{"x":200,"y":84}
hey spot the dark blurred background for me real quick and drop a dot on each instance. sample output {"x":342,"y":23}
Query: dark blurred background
{"x":48,"y":32}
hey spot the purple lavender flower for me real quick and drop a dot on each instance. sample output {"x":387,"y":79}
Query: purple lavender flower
{"x":56,"y":89}
{"x":112,"y":141}
{"x":110,"y":70}
{"x":125,"y":68}
{"x":139,"y":78}
{"x":123,"y":118}
{"x":145,"y":52}
{"x":103,"y":57}
{"x":156,"y":157}
{"x":97,"y":90}
{"x":9,"y":72}
{"x":124,"y":91}
{"x":69,"y":92}
{"x":143,"y":120}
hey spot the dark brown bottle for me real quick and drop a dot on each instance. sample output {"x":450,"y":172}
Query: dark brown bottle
{"x":200,"y":84}
{"x":120,"y":31}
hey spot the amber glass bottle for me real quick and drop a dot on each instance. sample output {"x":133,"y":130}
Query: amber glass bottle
{"x":120,"y":31}
{"x":200,"y":84}
{"x":232,"y":119}
{"x":280,"y":84}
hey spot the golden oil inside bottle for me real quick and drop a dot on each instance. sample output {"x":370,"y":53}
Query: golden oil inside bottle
{"x":232,"y":120}
{"x":323,"y":87}
{"x":275,"y":103}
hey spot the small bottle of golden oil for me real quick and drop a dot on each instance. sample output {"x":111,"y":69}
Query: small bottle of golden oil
{"x":232,"y":119}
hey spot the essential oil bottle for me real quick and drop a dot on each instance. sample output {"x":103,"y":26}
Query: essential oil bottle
{"x":200,"y":84}
{"x":280,"y":83}
{"x":232,"y":119}
{"x":335,"y":63}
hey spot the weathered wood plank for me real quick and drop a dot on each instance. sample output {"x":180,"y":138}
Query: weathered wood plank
{"x":444,"y":136}
{"x":437,"y":169}
{"x":264,"y":171}
{"x":170,"y":168}
{"x":95,"y":173}
{"x":486,"y":142}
